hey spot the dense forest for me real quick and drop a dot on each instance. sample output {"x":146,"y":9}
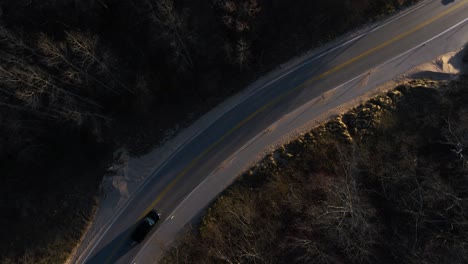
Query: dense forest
{"x":386,"y":182}
{"x":78,"y":78}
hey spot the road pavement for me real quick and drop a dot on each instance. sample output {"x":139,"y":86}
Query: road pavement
{"x":297,"y":95}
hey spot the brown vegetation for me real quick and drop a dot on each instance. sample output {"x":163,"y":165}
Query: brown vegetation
{"x":384,"y":183}
{"x":79,"y":77}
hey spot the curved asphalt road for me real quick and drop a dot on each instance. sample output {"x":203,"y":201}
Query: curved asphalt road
{"x":355,"y":66}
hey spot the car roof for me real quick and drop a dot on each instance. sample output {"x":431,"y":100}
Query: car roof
{"x":153,"y":214}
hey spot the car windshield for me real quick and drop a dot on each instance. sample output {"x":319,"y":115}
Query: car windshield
{"x":150,"y":221}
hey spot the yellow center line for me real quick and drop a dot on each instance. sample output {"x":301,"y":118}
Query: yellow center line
{"x":211,"y":147}
{"x":385,"y":44}
{"x":281,"y":97}
{"x":276,"y":100}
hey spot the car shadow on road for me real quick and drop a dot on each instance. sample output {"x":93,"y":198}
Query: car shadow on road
{"x":114,"y":250}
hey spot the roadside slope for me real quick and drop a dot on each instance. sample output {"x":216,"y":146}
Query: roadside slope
{"x":384,"y":182}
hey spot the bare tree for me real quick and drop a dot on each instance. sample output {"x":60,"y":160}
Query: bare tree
{"x":348,"y":212}
{"x":305,"y":246}
{"x":77,"y":59}
{"x":174,"y":30}
{"x":239,"y":18}
{"x":239,"y":15}
{"x":242,"y":56}
{"x":85,"y":45}
{"x":32,"y":89}
{"x":456,"y":135}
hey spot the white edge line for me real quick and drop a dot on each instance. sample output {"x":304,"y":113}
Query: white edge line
{"x":199,"y":185}
{"x":110,"y":223}
{"x":262,"y":133}
{"x":400,"y":55}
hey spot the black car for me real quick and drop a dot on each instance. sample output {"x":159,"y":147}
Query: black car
{"x":145,"y":226}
